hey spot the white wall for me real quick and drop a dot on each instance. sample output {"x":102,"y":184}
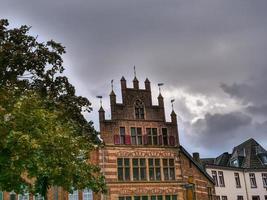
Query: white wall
{"x":230,"y":189}
{"x":260,"y":190}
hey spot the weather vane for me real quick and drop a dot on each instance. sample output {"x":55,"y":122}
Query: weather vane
{"x":160,"y":84}
{"x":100,"y":98}
{"x":112,"y":84}
{"x":172,"y":102}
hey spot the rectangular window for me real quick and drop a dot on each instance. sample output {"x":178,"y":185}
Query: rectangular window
{"x":168,"y":169}
{"x":221,"y":179}
{"x":140,"y":197}
{"x":38,"y":197}
{"x":152,"y":135}
{"x":74,"y":195}
{"x":12,"y":196}
{"x":170,"y":197}
{"x":125,"y":198}
{"x":255,"y":197}
{"x":239,"y":197}
{"x":264,"y":179}
{"x":253,"y":182}
{"x":224,"y":197}
{"x":122,"y":135}
{"x":265,"y":197}
{"x":136,"y":136}
{"x":87,"y":194}
{"x":139,"y":169}
{"x":158,"y":197}
{"x":165,"y":136}
{"x":154,"y":169}
{"x":23,"y":196}
{"x":210,"y":193}
{"x":123,"y":169}
{"x":215,"y":178}
{"x":217,"y":198}
{"x":237,"y":180}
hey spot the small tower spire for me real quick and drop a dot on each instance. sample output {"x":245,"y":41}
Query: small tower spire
{"x":135,"y":81}
{"x":100,"y":100}
{"x":172,"y":103}
{"x":112,"y":85}
{"x":101,"y":110}
{"x":160,"y":84}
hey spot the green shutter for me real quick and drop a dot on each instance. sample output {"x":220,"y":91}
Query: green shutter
{"x":1,"y":195}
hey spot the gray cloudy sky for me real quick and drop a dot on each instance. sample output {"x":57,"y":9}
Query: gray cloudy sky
{"x":211,"y":55}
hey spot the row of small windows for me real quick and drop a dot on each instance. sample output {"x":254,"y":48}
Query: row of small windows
{"x":86,"y":195}
{"x":26,"y":196}
{"x":219,"y":180}
{"x":240,"y":197}
{"x":153,"y":197}
{"x":151,"y":137}
{"x":253,"y":182}
{"x":140,"y":167}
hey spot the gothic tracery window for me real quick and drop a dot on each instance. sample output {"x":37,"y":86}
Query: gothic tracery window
{"x":139,"y":110}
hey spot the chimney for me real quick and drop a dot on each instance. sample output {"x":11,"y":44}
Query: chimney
{"x":196,"y":157}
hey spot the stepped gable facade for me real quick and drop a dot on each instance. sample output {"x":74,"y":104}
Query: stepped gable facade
{"x":142,"y":158}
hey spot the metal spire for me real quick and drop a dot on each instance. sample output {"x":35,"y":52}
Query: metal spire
{"x":134,"y":71}
{"x":172,"y":102}
{"x":160,"y":84}
{"x":100,"y":98}
{"x":112,"y":85}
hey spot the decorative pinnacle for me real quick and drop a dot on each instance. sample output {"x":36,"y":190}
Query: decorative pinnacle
{"x":100,"y":99}
{"x":160,"y":84}
{"x":172,"y":103}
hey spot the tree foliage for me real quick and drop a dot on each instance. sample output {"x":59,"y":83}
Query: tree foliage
{"x":45,"y":139}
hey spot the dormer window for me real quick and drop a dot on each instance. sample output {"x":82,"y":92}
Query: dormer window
{"x":139,"y":110}
{"x":234,"y":163}
{"x":264,"y":159}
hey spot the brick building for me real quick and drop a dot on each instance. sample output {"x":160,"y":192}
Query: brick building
{"x":142,"y":158}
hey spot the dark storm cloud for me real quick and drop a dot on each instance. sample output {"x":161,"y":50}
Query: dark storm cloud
{"x":214,"y":124}
{"x":188,"y":44}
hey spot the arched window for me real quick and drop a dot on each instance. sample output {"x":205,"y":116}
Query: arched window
{"x":139,"y":110}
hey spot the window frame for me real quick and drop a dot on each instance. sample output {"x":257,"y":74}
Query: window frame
{"x":237,"y":180}
{"x":169,"y":176}
{"x":221,"y":179}
{"x":87,"y":194}
{"x":137,"y":137}
{"x":23,"y":195}
{"x":152,"y":139}
{"x":264,"y":179}
{"x":155,"y":169}
{"x":165,"y":138}
{"x":139,"y":109}
{"x":252,"y":178}
{"x":139,"y":169}
{"x":215,"y":177}
{"x":74,"y":195}
{"x":123,"y":168}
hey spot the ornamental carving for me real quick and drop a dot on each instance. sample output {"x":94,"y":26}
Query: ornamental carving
{"x":140,"y":191}
{"x":145,"y":154}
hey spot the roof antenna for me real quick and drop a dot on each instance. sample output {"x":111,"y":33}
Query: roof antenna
{"x":100,"y":99}
{"x":160,"y":84}
{"x":172,"y":102}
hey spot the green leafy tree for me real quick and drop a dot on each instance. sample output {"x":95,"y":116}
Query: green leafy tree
{"x":45,"y":139}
